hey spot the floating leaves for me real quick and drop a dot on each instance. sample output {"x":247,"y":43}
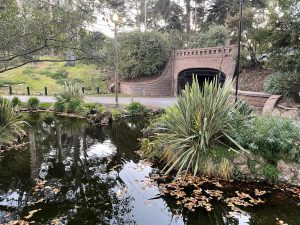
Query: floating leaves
{"x":192,"y":192}
{"x":295,"y":191}
{"x":18,"y":222}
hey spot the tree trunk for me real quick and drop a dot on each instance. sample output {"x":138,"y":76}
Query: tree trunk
{"x":188,"y":20}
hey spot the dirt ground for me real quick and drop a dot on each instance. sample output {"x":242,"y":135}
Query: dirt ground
{"x":253,"y":79}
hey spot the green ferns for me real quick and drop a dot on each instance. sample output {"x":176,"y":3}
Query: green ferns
{"x":196,"y":125}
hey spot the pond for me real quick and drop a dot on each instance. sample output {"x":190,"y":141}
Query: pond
{"x":75,"y":173}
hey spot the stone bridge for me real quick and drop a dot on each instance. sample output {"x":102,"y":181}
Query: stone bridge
{"x":205,"y":63}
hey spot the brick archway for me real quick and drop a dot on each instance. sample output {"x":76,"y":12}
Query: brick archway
{"x":166,"y":83}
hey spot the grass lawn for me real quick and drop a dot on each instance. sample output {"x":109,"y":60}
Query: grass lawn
{"x":52,"y":75}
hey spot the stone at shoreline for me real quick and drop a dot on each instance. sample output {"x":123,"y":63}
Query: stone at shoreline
{"x":289,"y":172}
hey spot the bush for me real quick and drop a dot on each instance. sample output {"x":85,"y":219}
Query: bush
{"x":15,"y":101}
{"x":59,"y":107}
{"x":141,"y":54}
{"x":116,"y":114}
{"x":136,"y":109}
{"x":69,"y":92}
{"x":287,"y":84}
{"x":274,"y":84}
{"x":10,"y":122}
{"x":271,"y":137}
{"x":33,"y":103}
{"x":198,"y":124}
{"x":71,"y":106}
{"x":216,"y":35}
{"x":45,"y":105}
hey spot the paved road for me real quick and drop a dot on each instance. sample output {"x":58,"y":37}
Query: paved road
{"x":150,"y":102}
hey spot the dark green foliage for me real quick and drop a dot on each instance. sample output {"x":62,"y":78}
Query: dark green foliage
{"x":243,"y":108}
{"x":284,"y":83}
{"x":142,"y":54}
{"x":33,"y":103}
{"x":216,"y":35}
{"x":136,"y":109}
{"x":271,"y":137}
{"x":71,"y":106}
{"x":59,"y":107}
{"x":271,"y":173}
{"x":15,"y":101}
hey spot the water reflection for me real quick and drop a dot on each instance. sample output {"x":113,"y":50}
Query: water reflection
{"x":94,"y":177}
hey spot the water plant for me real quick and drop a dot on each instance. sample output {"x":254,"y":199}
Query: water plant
{"x":200,"y":122}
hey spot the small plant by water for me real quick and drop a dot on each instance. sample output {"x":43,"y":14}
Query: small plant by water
{"x":33,"y":103}
{"x":11,"y":124}
{"x":136,"y":109}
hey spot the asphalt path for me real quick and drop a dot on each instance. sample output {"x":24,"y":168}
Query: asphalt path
{"x":159,"y":102}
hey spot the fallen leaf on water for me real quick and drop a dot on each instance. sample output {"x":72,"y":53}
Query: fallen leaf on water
{"x":259,"y":193}
{"x":31,"y":213}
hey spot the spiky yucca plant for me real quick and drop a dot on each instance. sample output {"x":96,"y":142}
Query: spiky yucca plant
{"x":69,"y":92}
{"x":10,"y":122}
{"x":201,"y":120}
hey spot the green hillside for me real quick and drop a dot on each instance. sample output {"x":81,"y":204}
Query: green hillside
{"x":52,"y":75}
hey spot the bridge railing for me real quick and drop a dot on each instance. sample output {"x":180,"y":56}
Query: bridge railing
{"x":204,"y":51}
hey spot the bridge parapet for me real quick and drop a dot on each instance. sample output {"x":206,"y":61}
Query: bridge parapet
{"x":204,"y":52}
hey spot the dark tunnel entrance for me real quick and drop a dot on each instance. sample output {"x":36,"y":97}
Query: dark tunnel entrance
{"x":186,"y":77}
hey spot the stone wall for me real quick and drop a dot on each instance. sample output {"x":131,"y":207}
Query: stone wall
{"x":256,"y":100}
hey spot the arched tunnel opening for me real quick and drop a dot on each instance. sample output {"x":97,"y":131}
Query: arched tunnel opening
{"x":202,"y":74}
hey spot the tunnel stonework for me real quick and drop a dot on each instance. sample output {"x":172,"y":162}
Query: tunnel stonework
{"x":166,"y":83}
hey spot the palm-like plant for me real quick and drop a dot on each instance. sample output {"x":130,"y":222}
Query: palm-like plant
{"x":10,"y":122}
{"x":199,"y":122}
{"x":69,"y":92}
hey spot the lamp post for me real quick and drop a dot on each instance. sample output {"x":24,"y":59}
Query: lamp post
{"x":237,"y":72}
{"x":115,"y":19}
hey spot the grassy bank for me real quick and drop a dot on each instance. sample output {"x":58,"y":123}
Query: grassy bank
{"x":52,"y":75}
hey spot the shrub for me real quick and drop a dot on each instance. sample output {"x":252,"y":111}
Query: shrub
{"x":59,"y":107}
{"x":69,"y":92}
{"x":15,"y":101}
{"x":274,"y":84}
{"x":136,"y":109}
{"x":271,"y":137}
{"x":271,"y":173}
{"x":71,"y":106}
{"x":10,"y":122}
{"x":199,"y":123}
{"x":287,"y":84}
{"x":141,"y":54}
{"x":33,"y":103}
{"x":116,"y":114}
{"x":45,"y":105}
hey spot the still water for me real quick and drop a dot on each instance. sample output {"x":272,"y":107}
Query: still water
{"x":75,"y":173}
